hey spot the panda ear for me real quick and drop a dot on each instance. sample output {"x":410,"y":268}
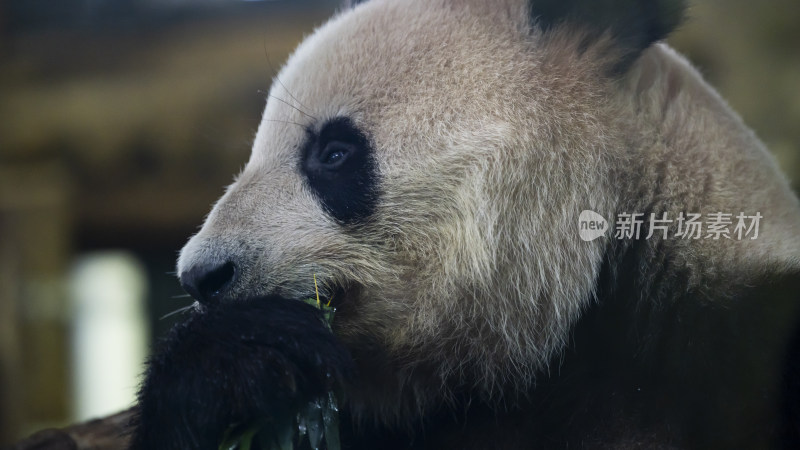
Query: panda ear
{"x":633,"y":25}
{"x":351,"y":3}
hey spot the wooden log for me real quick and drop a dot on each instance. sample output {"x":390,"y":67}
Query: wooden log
{"x":106,"y":433}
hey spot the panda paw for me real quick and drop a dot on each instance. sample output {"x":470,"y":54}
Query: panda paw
{"x":233,"y":364}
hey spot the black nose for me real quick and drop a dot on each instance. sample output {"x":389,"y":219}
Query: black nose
{"x":208,"y":282}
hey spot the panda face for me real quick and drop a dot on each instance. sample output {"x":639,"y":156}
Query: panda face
{"x":425,"y":163}
{"x":407,"y":155}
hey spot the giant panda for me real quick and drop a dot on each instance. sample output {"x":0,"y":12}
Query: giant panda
{"x":431,"y":165}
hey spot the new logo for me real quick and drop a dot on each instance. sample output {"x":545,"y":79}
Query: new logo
{"x":591,"y":225}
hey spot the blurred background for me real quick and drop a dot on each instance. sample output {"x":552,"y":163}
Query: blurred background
{"x":121,"y":121}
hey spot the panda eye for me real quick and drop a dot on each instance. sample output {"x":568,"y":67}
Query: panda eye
{"x":334,"y":155}
{"x":339,"y":167}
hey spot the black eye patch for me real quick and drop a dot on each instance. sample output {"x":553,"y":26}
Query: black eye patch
{"x":338,"y":163}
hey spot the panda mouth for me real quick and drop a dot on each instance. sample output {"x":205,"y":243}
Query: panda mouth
{"x":335,"y":298}
{"x":332,"y":298}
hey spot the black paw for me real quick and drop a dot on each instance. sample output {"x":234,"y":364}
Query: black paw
{"x":232,"y":364}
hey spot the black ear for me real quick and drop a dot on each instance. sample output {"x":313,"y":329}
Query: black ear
{"x":351,"y":3}
{"x":633,"y":25}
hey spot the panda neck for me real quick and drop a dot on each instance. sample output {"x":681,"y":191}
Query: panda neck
{"x":687,"y":152}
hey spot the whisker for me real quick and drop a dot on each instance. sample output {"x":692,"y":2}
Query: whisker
{"x":181,"y":296}
{"x":286,"y":121}
{"x":290,"y":94}
{"x":272,"y":68}
{"x":293,"y":106}
{"x":178,"y":311}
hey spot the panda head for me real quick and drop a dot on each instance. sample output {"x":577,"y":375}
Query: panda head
{"x":425,"y":161}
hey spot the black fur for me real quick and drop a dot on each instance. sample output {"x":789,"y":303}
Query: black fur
{"x":347,"y":188}
{"x":243,"y":361}
{"x":791,"y":393}
{"x":633,"y":24}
